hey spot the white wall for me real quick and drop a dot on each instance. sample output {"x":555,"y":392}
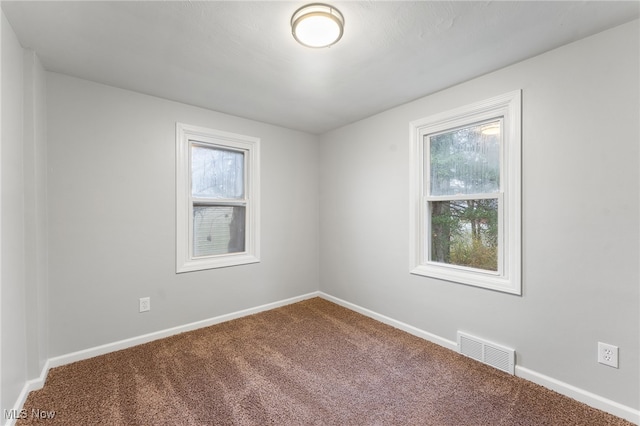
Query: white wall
{"x":111,"y":156}
{"x":107,"y":158}
{"x":14,"y":368}
{"x":23,"y":261}
{"x":580,"y":203}
{"x":35,"y":213}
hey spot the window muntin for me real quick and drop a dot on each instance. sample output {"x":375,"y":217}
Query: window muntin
{"x":217,"y":199}
{"x":465,"y":197}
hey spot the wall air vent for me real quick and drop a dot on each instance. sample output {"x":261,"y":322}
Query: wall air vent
{"x":486,"y":352}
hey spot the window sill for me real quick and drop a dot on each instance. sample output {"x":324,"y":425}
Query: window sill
{"x":216,"y":262}
{"x":469,"y":276}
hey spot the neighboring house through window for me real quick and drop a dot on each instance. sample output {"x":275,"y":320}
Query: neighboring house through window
{"x":217,"y":198}
{"x":466,"y":194}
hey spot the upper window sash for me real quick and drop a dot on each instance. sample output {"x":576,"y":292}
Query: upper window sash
{"x":227,"y":148}
{"x":429,"y":162}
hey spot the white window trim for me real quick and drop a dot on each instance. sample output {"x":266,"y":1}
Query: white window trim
{"x":185,"y":135}
{"x":509,"y":276}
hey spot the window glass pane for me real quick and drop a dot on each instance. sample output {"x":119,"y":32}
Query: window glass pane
{"x":465,"y":233}
{"x":466,"y":160}
{"x":218,"y":230}
{"x":217,"y":173}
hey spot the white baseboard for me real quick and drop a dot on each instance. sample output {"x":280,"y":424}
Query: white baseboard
{"x":29,"y":386}
{"x":58,"y":361}
{"x":586,"y":397}
{"x":449,"y":344}
{"x":127,"y":343}
{"x":566,"y":389}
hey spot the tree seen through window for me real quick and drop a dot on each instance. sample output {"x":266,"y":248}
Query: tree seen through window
{"x":464,"y":185}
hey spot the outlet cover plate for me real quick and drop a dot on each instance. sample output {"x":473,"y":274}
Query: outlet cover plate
{"x":608,"y":354}
{"x":145,"y":304}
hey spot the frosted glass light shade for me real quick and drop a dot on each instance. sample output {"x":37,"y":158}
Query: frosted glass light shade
{"x":317,"y":25}
{"x":491,"y":129}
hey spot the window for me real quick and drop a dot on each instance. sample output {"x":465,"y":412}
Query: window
{"x":217,"y":198}
{"x":466,"y":195}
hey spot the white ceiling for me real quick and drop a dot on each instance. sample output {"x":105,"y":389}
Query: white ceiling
{"x":239,"y":57}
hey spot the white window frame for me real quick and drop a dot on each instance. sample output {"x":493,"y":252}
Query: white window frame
{"x":508,"y":278}
{"x":187,"y":136}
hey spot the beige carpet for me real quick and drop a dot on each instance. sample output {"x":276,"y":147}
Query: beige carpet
{"x":310,"y":363}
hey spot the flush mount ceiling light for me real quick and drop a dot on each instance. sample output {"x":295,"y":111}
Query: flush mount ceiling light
{"x":317,"y":25}
{"x":491,"y":129}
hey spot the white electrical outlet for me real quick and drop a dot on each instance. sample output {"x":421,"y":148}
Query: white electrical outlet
{"x":145,"y":304}
{"x":608,"y":354}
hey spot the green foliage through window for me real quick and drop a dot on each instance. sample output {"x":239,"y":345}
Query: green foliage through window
{"x":465,"y":233}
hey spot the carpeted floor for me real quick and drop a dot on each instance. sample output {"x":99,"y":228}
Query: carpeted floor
{"x":310,"y":363}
